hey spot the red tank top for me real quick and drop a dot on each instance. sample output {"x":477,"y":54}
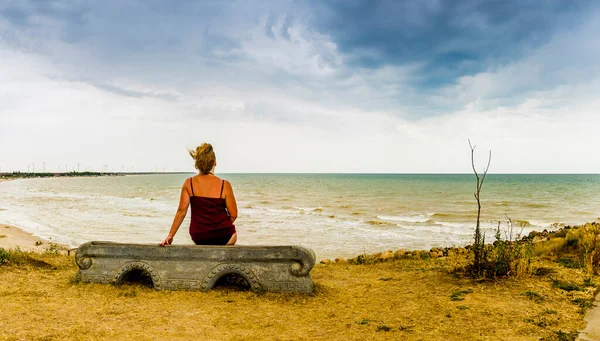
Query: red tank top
{"x":210,"y":218}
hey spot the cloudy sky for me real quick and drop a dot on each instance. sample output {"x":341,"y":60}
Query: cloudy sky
{"x":301,"y":86}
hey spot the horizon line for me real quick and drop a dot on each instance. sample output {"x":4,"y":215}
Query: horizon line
{"x":287,"y":173}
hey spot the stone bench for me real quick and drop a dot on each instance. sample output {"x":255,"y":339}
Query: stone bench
{"x":198,"y":268}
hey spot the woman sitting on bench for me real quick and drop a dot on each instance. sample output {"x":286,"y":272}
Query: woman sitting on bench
{"x":213,"y":204}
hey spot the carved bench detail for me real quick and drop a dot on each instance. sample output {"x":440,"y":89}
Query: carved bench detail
{"x":198,"y":268}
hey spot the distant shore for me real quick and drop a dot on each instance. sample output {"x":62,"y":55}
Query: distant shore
{"x":27,"y":175}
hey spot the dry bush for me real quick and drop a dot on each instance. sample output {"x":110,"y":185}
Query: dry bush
{"x":551,"y":247}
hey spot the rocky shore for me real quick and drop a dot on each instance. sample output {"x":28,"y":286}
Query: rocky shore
{"x":440,"y":252}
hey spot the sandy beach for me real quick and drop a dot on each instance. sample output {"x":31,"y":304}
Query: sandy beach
{"x":12,"y":237}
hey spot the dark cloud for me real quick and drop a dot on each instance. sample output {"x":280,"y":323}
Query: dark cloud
{"x":395,"y":56}
{"x":450,"y":38}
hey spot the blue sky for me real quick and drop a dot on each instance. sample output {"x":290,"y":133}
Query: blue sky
{"x":300,"y":86}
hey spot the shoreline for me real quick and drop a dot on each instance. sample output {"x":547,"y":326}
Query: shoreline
{"x":14,"y":237}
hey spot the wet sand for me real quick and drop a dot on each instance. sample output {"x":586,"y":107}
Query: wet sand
{"x":12,"y":237}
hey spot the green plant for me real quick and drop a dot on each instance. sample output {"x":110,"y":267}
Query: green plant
{"x":52,"y":248}
{"x":507,"y":256}
{"x":4,"y":256}
{"x":572,"y":241}
{"x":589,"y":282}
{"x":510,"y":255}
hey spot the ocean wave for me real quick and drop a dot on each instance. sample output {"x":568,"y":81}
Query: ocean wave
{"x":458,"y":214}
{"x":308,"y":209}
{"x":438,"y":228}
{"x":421,"y":218}
{"x":14,"y":218}
{"x":534,"y":205}
{"x":377,"y":222}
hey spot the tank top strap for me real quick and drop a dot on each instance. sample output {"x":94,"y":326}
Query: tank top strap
{"x":192,"y":186}
{"x":221,"y":194}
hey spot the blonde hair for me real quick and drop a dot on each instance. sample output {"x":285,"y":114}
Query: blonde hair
{"x":205,"y":158}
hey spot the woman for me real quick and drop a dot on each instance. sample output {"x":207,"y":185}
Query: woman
{"x":213,"y":204}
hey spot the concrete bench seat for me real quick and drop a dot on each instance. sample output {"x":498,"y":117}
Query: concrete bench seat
{"x":198,"y":268}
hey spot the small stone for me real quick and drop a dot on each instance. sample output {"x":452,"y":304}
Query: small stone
{"x":387,"y":255}
{"x":326,"y":261}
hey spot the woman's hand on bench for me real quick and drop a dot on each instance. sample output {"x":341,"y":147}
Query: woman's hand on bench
{"x":167,"y":241}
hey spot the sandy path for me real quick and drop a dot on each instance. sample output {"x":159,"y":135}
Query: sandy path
{"x":592,"y":318}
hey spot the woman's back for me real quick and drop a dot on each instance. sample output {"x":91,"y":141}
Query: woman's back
{"x":210,"y":218}
{"x":206,"y":186}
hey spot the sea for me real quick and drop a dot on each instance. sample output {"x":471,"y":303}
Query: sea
{"x":337,"y":215}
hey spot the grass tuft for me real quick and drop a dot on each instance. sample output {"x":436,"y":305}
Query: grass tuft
{"x":383,"y":328}
{"x":4,"y":256}
{"x":566,"y":286}
{"x":570,"y":262}
{"x":584,"y":304}
{"x":532,"y":295}
{"x":561,"y":336}
{"x":459,"y":295}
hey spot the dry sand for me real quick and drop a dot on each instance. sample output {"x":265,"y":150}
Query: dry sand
{"x":12,"y":237}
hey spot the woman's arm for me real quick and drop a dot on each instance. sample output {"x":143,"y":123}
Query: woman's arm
{"x":230,"y":202}
{"x":184,"y":203}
